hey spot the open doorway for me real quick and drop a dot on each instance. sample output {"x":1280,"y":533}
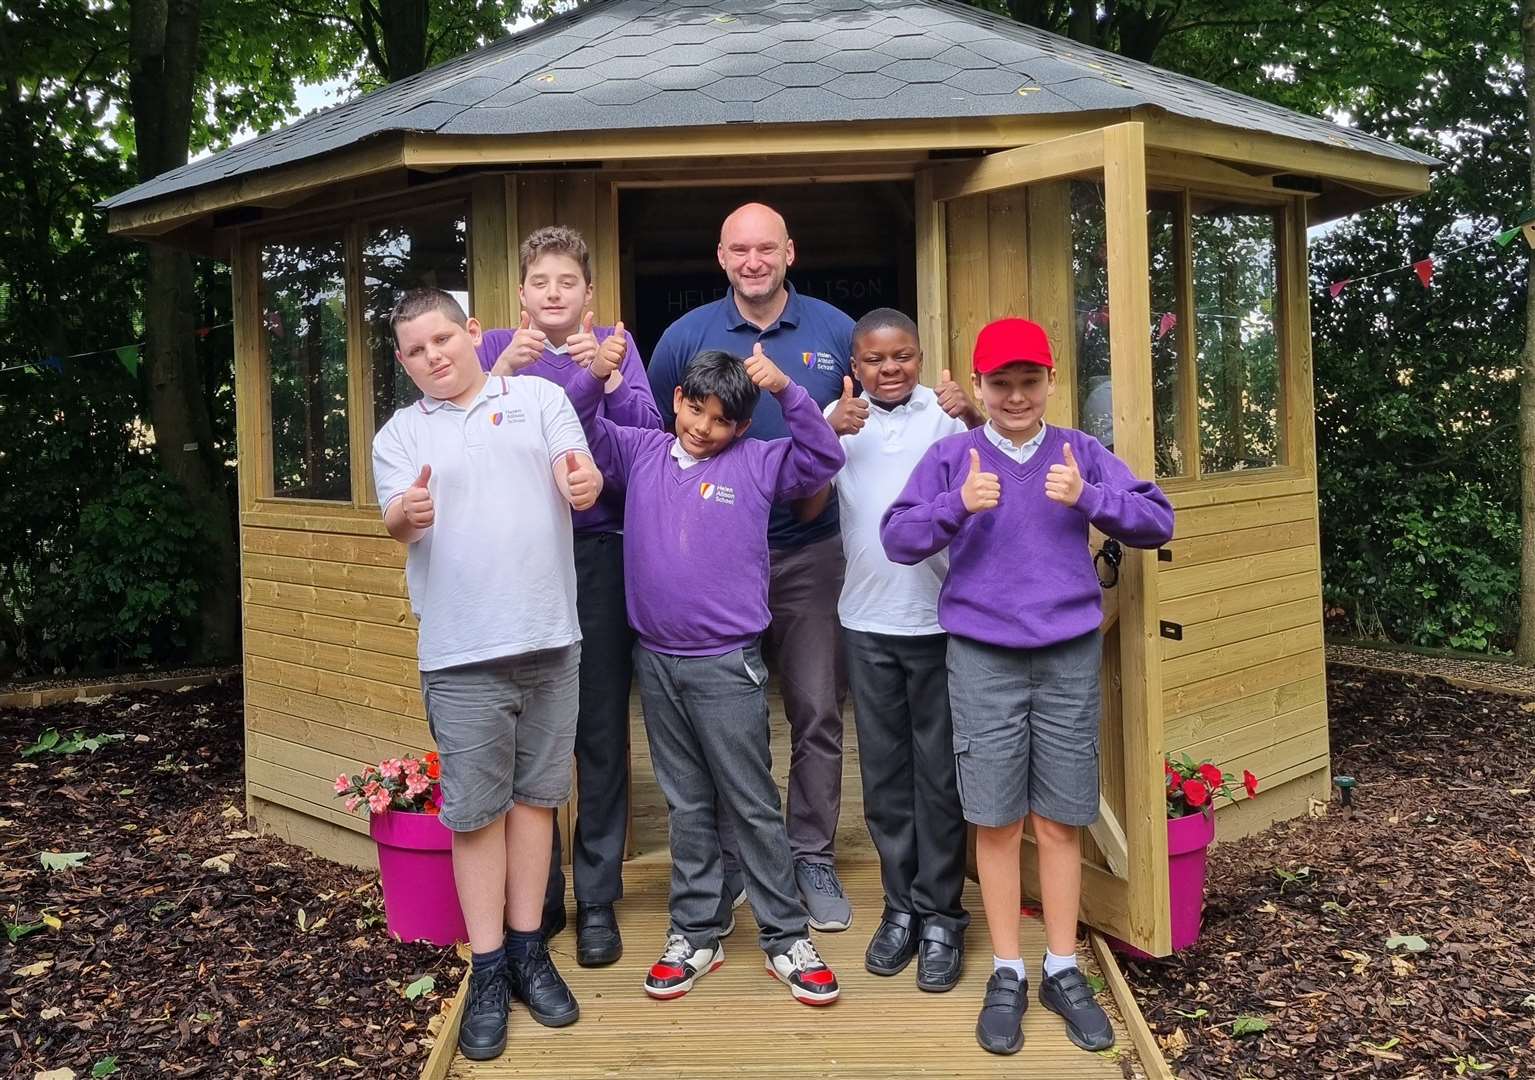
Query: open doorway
{"x":854,"y":247}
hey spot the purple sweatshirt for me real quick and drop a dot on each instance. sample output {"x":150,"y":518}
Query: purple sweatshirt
{"x":695,"y":540}
{"x":1021,"y":575}
{"x":630,"y":405}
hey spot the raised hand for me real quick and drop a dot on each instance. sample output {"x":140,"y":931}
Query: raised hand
{"x":953,"y":400}
{"x":582,"y":345}
{"x":1063,"y":483}
{"x":416,"y":503}
{"x":982,"y":490}
{"x":851,"y":413}
{"x":583,"y":483}
{"x":526,"y":347}
{"x":763,"y":372}
{"x":610,"y":354}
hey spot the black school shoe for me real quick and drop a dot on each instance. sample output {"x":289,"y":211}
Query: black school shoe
{"x":535,"y":982}
{"x":598,"y":943}
{"x":1000,"y":1027}
{"x":940,"y":955}
{"x":482,"y":1034}
{"x":1068,"y":995}
{"x":893,"y":944}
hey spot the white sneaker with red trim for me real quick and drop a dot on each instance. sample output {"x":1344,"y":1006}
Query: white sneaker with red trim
{"x":680,"y":967}
{"x":805,"y":973}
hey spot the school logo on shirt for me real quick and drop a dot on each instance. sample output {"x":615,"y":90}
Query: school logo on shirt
{"x":820,"y":361}
{"x":510,"y":416}
{"x":725,"y":496}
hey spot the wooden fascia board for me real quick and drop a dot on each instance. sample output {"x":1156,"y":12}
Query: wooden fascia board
{"x":1391,"y":177}
{"x":159,"y":216}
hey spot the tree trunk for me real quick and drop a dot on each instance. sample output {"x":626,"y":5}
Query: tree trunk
{"x":1526,"y":647}
{"x":162,"y":70}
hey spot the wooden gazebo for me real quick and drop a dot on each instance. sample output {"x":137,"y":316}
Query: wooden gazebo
{"x":927,"y":156}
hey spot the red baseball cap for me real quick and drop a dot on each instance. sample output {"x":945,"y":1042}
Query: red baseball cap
{"x":1011,"y":341}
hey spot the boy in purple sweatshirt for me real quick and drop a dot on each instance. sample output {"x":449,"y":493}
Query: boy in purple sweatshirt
{"x":1012,"y":501}
{"x":555,"y":341}
{"x":696,"y":512}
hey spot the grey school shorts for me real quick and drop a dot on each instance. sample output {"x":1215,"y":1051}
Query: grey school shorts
{"x":1026,"y":730}
{"x":505,"y":730}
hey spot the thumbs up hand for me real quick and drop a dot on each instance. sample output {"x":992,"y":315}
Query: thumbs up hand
{"x":1063,"y":483}
{"x":416,"y":503}
{"x":850,"y":413}
{"x":764,"y":373}
{"x":527,"y":346}
{"x":582,"y":345}
{"x":982,"y":490}
{"x":582,"y":482}
{"x":953,"y":400}
{"x":610,"y":354}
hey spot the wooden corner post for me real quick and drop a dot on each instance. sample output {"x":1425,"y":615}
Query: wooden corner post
{"x":1145,"y":823}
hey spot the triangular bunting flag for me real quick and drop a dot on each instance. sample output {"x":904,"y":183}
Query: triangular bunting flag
{"x":54,"y":364}
{"x":202,"y":331}
{"x":128,"y":357}
{"x":1424,"y":268}
{"x":1506,"y":237}
{"x":1166,"y":324}
{"x":1338,"y":286}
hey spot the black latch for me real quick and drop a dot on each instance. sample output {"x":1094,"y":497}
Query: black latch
{"x":1164,"y":554}
{"x":1106,"y":563}
{"x":1171,"y":630}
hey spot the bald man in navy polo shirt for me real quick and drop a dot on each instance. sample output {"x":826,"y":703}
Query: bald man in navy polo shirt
{"x":812,"y":342}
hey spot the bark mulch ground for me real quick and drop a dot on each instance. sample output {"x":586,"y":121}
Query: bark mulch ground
{"x":180,"y":944}
{"x":1396,"y":943}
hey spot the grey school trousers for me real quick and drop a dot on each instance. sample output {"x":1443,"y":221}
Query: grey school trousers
{"x":906,"y":753}
{"x":602,"y":728}
{"x":707,"y":720}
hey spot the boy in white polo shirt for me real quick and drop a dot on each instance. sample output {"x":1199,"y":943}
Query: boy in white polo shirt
{"x":478,"y":479}
{"x":896,"y":655}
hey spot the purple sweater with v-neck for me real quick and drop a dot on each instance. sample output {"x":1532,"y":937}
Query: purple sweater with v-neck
{"x":695,"y":540}
{"x":1021,"y":575}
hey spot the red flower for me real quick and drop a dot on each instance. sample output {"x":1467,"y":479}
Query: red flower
{"x":1213,"y":777}
{"x":433,"y":766}
{"x":1250,"y":782}
{"x":1174,"y":782}
{"x":1195,"y":793}
{"x":432,"y":808}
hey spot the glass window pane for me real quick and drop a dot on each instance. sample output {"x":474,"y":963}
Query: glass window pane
{"x":423,"y":250}
{"x":1236,"y":332}
{"x":1090,"y":273}
{"x":303,"y":289}
{"x":1162,"y":228}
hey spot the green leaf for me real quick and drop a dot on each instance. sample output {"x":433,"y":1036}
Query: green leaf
{"x":1249,"y":1025}
{"x":105,"y":1067}
{"x":1336,"y":908}
{"x":1097,"y":983}
{"x":424,"y":985}
{"x":1387,"y":1045}
{"x":1410,"y":942}
{"x":1197,"y":1014}
{"x":67,"y":860}
{"x":45,"y":742}
{"x":14,"y":932}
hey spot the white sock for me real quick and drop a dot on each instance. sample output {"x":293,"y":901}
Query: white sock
{"x":1054,"y":965}
{"x":999,"y":964}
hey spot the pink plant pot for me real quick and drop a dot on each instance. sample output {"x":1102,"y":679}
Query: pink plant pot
{"x":1188,"y":837}
{"x":415,"y":866}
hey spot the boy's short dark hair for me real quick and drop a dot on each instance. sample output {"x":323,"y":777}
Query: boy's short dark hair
{"x":884,"y":318}
{"x":418,"y":302}
{"x":554,"y":240}
{"x":716,"y":372}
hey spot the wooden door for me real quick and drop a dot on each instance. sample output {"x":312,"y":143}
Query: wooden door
{"x":995,"y":237}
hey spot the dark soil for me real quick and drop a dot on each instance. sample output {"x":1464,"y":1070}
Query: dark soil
{"x":279,"y":967}
{"x":1298,"y":919}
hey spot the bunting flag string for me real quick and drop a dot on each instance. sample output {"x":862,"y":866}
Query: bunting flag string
{"x":1424,"y":268}
{"x":127,"y":355}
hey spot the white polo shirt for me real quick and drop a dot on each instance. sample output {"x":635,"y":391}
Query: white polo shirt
{"x":495,"y":575}
{"x":879,"y":596}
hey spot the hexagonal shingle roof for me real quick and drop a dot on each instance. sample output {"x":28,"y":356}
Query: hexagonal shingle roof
{"x":613,"y":65}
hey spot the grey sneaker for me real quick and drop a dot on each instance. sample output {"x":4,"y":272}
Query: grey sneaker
{"x":822,"y":892}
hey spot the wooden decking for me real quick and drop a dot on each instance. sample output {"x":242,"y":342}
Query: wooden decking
{"x":740,"y":1022}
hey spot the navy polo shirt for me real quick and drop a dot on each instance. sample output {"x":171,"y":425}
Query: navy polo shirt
{"x":812,"y":342}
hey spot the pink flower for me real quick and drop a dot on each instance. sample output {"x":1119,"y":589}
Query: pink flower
{"x":378,"y":802}
{"x":411,"y":766}
{"x":390,"y":768}
{"x":353,"y":803}
{"x":343,"y":784}
{"x":372,"y":788}
{"x":416,"y":784}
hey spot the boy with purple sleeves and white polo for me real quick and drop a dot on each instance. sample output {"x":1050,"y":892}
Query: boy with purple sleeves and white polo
{"x":696,"y":569}
{"x":1012,"y":502}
